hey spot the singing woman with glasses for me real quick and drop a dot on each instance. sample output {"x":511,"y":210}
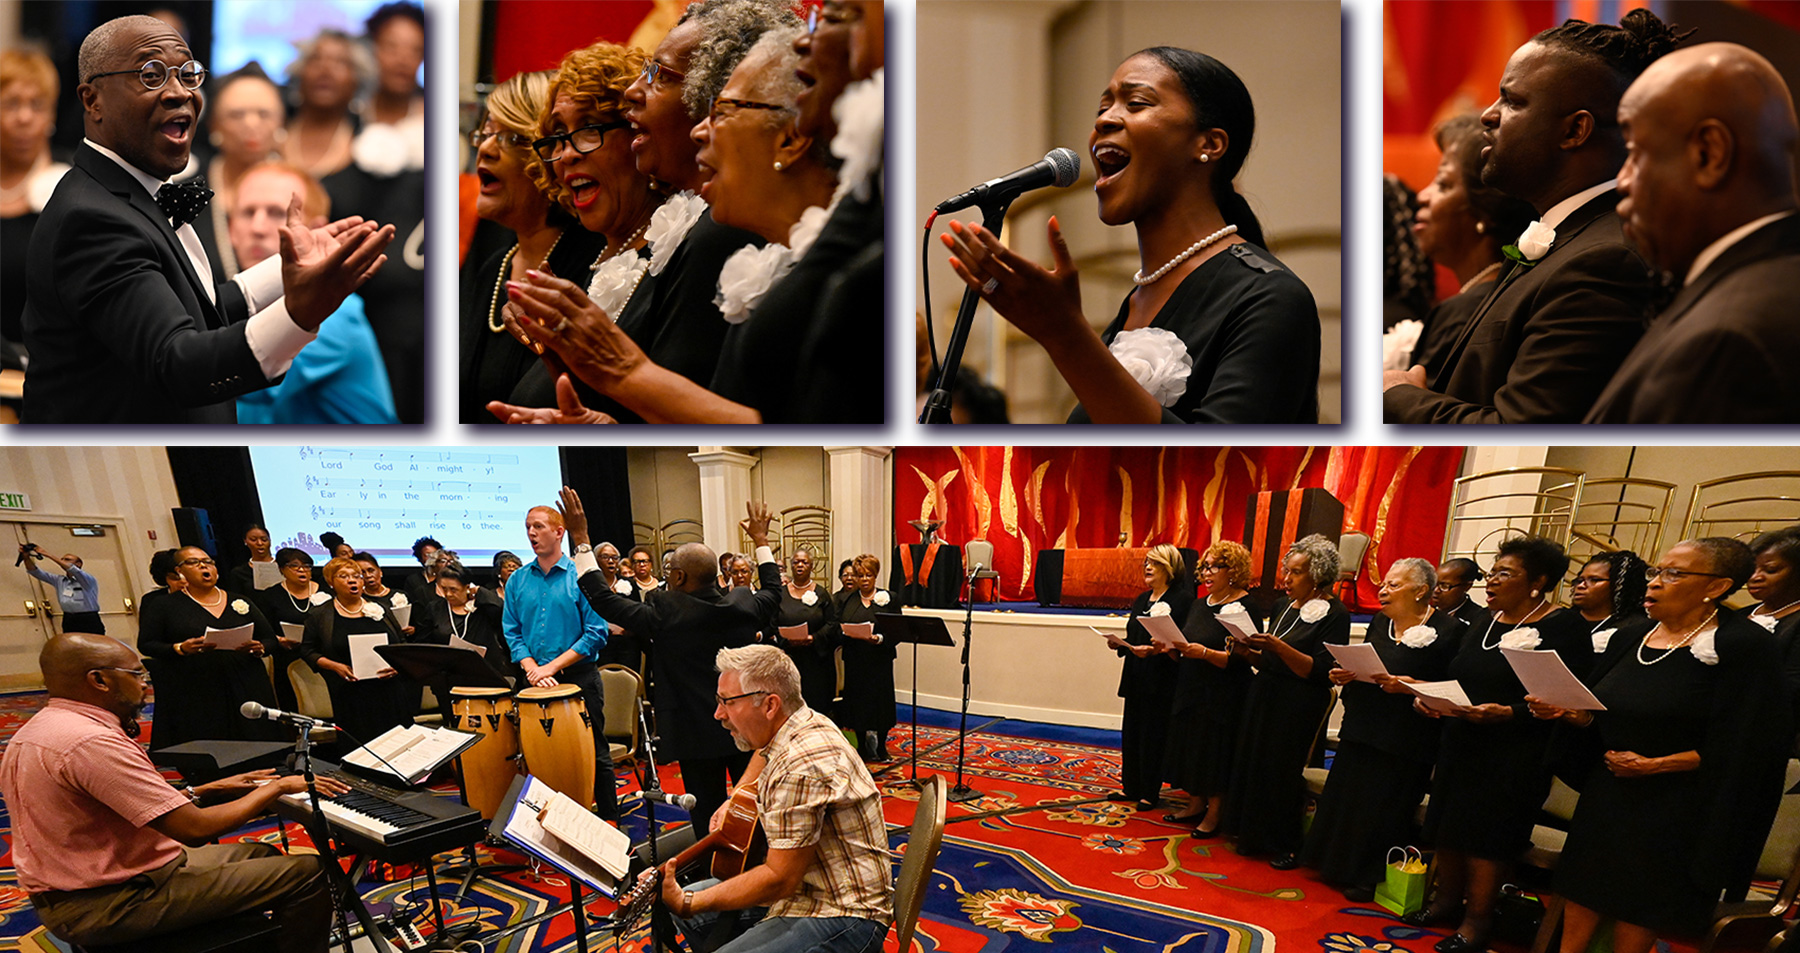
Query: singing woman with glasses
{"x":664,"y":302}
{"x":493,"y":362}
{"x":200,"y":682}
{"x":1684,"y":764}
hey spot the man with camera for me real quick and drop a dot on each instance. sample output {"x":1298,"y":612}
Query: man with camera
{"x":76,"y":592}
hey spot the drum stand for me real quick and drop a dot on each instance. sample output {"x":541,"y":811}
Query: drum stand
{"x":475,"y":868}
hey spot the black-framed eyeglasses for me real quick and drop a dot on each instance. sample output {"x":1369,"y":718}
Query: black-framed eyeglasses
{"x":655,"y":72}
{"x":202,"y":561}
{"x":155,"y":74}
{"x":724,"y":700}
{"x":714,"y":115}
{"x":143,"y":675}
{"x":1501,"y":575}
{"x":508,"y":139}
{"x":1651,"y":574}
{"x":583,"y":140}
{"x":1447,"y":586}
{"x":833,"y":15}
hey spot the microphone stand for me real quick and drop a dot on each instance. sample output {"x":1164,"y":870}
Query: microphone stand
{"x":962,"y":792}
{"x":650,"y":784}
{"x":341,"y":888}
{"x":937,"y":405}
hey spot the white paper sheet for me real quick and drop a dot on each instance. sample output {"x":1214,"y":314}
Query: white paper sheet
{"x":402,"y":615}
{"x":1547,"y":679}
{"x":264,"y":575}
{"x":792,"y":632}
{"x":292,"y":631}
{"x":364,"y":661}
{"x":577,"y":827}
{"x":458,"y":642}
{"x":228,"y":638}
{"x":1236,"y":620}
{"x":523,"y":828}
{"x":1443,"y":696}
{"x":859,"y":630}
{"x":1164,"y":633}
{"x":1360,"y":659}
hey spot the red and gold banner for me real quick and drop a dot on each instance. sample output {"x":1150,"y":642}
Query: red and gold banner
{"x":1024,"y":499}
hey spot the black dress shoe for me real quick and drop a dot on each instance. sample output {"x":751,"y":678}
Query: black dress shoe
{"x":1146,"y":805}
{"x":1184,"y":818}
{"x":1456,"y":943}
{"x":1199,"y":834}
{"x":1427,"y":917}
{"x":1289,"y":861}
{"x":1120,"y":796}
{"x":1359,"y":894}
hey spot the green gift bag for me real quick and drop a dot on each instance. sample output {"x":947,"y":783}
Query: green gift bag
{"x":1404,"y":890}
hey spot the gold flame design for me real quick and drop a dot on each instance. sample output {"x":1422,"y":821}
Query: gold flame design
{"x":978,"y":494}
{"x":1125,"y":505}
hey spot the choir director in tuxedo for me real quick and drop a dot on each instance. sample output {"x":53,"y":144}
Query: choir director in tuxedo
{"x":1708,"y":190}
{"x":122,"y":317}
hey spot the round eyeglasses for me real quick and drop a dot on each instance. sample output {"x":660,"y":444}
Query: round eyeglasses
{"x":155,"y":74}
{"x":654,"y":72}
{"x":583,"y":140}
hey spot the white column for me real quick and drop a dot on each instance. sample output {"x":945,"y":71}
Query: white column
{"x":861,"y":504}
{"x":724,"y":488}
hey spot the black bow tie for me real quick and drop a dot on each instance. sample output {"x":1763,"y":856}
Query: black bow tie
{"x":182,"y":201}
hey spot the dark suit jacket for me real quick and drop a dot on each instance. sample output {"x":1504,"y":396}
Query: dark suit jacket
{"x":117,"y":323}
{"x":1543,"y":345}
{"x":1726,"y":350}
{"x":688,"y":630}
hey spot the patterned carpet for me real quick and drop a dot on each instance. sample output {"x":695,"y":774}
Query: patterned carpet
{"x":1041,"y":856}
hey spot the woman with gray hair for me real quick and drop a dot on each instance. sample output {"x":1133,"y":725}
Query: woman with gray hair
{"x":324,"y":80}
{"x":1385,"y":751}
{"x":1287,"y":701}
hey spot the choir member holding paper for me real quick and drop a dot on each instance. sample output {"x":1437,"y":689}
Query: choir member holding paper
{"x":1385,"y":750}
{"x":367,"y":696}
{"x":1686,"y":759}
{"x":200,"y":681}
{"x":1148,"y":681}
{"x":807,"y":625}
{"x":1210,"y":684}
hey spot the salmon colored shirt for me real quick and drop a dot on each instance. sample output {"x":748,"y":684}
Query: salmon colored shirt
{"x":81,"y":794}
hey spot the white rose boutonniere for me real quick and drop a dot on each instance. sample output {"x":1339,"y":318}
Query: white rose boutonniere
{"x":1157,"y":360}
{"x":1418,"y":636}
{"x":1705,"y":648}
{"x":321,"y":597}
{"x":881,"y":597}
{"x":809,"y":598}
{"x":669,"y":227}
{"x":372,"y":610}
{"x":400,"y":600}
{"x":1158,"y":609}
{"x":613,"y":283}
{"x":1766,"y":621}
{"x":240,"y":607}
{"x":1534,"y":243}
{"x":748,"y":275}
{"x":1523,"y":637}
{"x":1602,"y":638}
{"x":1314,"y":610}
{"x":622,"y":587}
{"x":861,"y":114}
{"x":1397,"y":344}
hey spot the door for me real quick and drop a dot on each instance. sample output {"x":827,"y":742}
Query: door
{"x":29,"y":613}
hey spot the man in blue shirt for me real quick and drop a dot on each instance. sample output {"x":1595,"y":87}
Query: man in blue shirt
{"x":555,"y":636}
{"x":76,"y":592}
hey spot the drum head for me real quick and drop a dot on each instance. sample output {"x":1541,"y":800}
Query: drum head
{"x":552,"y":693}
{"x":474,"y":692}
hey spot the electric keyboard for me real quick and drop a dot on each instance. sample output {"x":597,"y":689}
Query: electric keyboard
{"x":386,"y":823}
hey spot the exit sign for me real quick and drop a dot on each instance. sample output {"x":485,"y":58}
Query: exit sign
{"x":14,"y":501}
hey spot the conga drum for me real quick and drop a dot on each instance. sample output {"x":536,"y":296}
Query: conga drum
{"x":488,"y":768}
{"x":557,"y":741}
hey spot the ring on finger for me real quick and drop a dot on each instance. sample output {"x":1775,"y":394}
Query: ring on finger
{"x":561,"y":322}
{"x":990,"y":286}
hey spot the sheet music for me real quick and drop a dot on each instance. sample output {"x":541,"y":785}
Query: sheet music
{"x":523,"y":829}
{"x":402,"y":615}
{"x":413,"y":750}
{"x":859,"y":630}
{"x":577,"y":827}
{"x":1236,"y":620}
{"x":1360,"y":659}
{"x":1164,"y":633}
{"x":292,"y":631}
{"x":1548,"y":680}
{"x":792,"y":632}
{"x":458,"y":642}
{"x":365,"y":662}
{"x":228,"y":638}
{"x":264,"y":575}
{"x":1439,"y":696}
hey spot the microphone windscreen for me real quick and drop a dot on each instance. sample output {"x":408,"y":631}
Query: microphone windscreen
{"x":1067,"y":166}
{"x":252,"y":709}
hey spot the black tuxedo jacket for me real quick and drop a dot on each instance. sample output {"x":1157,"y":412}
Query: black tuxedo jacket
{"x":1543,"y":345}
{"x":688,"y":629}
{"x":1727,"y":348}
{"x":117,"y":323}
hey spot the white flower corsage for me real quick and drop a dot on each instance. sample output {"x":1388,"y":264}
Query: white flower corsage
{"x":622,"y":587}
{"x":1418,"y":636}
{"x":881,"y":597}
{"x":1524,"y":637}
{"x":1704,"y":648}
{"x":1397,"y":344}
{"x":386,"y":149}
{"x":748,"y":275}
{"x":1602,"y":638}
{"x":1158,"y":609}
{"x":399,"y":599}
{"x":42,"y":185}
{"x":1314,"y":610}
{"x":372,"y":610}
{"x":240,"y":607}
{"x":809,"y":598}
{"x":1157,"y":360}
{"x":1766,"y":621}
{"x":321,"y":597}
{"x":669,"y":227}
{"x":861,"y":114}
{"x":1535,"y":241}
{"x":612,"y":284}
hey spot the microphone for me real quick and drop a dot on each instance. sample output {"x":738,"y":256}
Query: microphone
{"x":683,"y":801}
{"x":1058,"y":167}
{"x":255,"y":710}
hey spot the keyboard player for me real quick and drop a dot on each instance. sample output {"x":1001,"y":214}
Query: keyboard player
{"x":141,"y":864}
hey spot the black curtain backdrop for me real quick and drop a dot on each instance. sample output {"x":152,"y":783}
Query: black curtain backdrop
{"x":218,"y":480}
{"x":603,"y":478}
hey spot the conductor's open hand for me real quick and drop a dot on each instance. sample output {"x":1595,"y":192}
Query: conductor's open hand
{"x":757,"y":525}
{"x":1044,"y":303}
{"x":574,"y":517}
{"x":320,"y":267}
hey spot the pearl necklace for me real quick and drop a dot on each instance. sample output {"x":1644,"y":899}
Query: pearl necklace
{"x":1483,"y":273}
{"x":494,"y":323}
{"x":1496,"y":618}
{"x":464,"y":634}
{"x":207,"y":605}
{"x":301,"y":604}
{"x":1671,"y":649}
{"x":346,"y":610}
{"x":1210,"y":602}
{"x":1776,"y":612}
{"x":1597,"y":626}
{"x":611,"y":251}
{"x":1141,"y":280}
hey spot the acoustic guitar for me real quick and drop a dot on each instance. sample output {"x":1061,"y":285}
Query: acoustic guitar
{"x":738,"y":845}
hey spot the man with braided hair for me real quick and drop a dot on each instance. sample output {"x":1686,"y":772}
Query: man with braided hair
{"x":1576,"y":297}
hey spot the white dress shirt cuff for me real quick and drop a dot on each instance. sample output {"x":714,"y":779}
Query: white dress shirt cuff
{"x":261,"y":283}
{"x":274,"y":338}
{"x":764,"y":555}
{"x":586,"y":563}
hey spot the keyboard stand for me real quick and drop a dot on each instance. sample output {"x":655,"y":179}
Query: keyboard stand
{"x":343,"y":889}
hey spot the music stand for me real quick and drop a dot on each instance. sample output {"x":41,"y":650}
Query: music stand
{"x":919,"y":630}
{"x":577,"y":905}
{"x":962,"y":792}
